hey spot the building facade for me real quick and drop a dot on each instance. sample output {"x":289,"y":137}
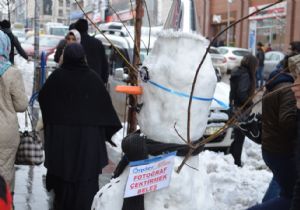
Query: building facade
{"x":276,"y":25}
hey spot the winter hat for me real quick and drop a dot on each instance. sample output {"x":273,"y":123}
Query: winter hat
{"x":82,"y":25}
{"x":5,"y":24}
{"x":76,"y":34}
{"x":74,"y":54}
{"x":4,"y":52}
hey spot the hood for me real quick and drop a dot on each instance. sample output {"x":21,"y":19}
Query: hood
{"x":282,"y":77}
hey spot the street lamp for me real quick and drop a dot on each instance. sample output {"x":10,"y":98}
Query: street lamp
{"x":228,"y":20}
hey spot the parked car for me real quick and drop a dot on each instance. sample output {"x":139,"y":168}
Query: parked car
{"x":51,"y":64}
{"x":21,"y":35}
{"x":118,"y":75}
{"x":272,"y":58}
{"x":219,"y":61}
{"x":47,"y":43}
{"x":233,"y":55}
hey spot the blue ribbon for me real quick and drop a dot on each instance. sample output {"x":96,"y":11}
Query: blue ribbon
{"x":221,"y":103}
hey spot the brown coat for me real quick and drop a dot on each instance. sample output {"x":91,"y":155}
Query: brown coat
{"x":12,"y":100}
{"x":279,"y":120}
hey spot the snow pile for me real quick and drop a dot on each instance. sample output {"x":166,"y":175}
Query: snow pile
{"x":233,"y":188}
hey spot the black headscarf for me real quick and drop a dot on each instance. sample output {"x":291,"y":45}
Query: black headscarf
{"x":75,"y":95}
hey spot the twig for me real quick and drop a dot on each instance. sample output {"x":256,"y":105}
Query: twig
{"x":198,"y":70}
{"x":179,"y":134}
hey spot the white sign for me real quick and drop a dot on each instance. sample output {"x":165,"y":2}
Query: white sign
{"x":149,"y":175}
{"x":277,"y":10}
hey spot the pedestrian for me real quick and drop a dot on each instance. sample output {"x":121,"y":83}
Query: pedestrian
{"x":296,"y":195}
{"x":260,"y":55}
{"x":72,"y":36}
{"x":5,"y":196}
{"x":95,"y":52}
{"x":269,"y":48}
{"x":242,"y":86}
{"x":12,"y":100}
{"x":5,"y":27}
{"x":61,"y":45}
{"x":278,"y":137}
{"x":78,"y":118}
{"x":295,"y":47}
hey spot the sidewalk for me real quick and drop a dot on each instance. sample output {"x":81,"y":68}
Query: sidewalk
{"x":30,"y":189}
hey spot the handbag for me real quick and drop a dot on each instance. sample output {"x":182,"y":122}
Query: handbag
{"x":30,"y":150}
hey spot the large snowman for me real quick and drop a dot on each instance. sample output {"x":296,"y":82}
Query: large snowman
{"x":166,"y":79}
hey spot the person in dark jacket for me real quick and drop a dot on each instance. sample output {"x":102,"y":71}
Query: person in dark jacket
{"x":242,"y":86}
{"x":296,"y":195}
{"x":5,"y":27}
{"x":95,"y":52}
{"x":260,"y":55}
{"x":278,"y":137}
{"x":61,"y":45}
{"x":295,"y":47}
{"x":78,"y":118}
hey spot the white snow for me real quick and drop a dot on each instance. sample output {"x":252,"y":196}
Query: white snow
{"x":228,"y":187}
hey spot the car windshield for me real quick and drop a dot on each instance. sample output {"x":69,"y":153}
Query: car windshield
{"x":19,"y":34}
{"x":44,"y":41}
{"x":223,"y":51}
{"x":59,"y":31}
{"x":214,"y":51}
{"x":240,"y":52}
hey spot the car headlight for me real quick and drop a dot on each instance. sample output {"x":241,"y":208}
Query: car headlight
{"x":211,"y":130}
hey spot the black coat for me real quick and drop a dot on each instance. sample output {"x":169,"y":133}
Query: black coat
{"x":296,"y":197}
{"x":260,"y":55}
{"x":14,"y":44}
{"x":240,"y":87}
{"x":95,"y":54}
{"x":78,"y":117}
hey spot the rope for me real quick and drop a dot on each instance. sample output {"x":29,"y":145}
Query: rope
{"x":221,"y":103}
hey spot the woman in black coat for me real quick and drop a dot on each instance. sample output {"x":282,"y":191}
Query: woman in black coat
{"x":78,"y":118}
{"x":242,"y":86}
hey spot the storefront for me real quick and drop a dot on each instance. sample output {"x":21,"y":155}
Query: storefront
{"x":268,"y":26}
{"x":122,"y":10}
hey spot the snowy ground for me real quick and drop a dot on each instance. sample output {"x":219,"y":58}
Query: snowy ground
{"x":233,"y":188}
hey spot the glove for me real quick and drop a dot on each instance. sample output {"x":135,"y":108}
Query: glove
{"x":252,"y":127}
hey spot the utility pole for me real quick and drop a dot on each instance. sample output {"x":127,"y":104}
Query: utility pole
{"x":228,"y":21}
{"x":36,"y":77}
{"x":8,"y":10}
{"x":132,"y":121}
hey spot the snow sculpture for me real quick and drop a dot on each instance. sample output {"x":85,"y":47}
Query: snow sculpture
{"x":172,"y":64}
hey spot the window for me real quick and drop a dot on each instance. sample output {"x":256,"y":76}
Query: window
{"x":240,"y":52}
{"x":60,"y":12}
{"x":68,"y":3}
{"x":213,"y":51}
{"x":61,"y":3}
{"x":223,"y":51}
